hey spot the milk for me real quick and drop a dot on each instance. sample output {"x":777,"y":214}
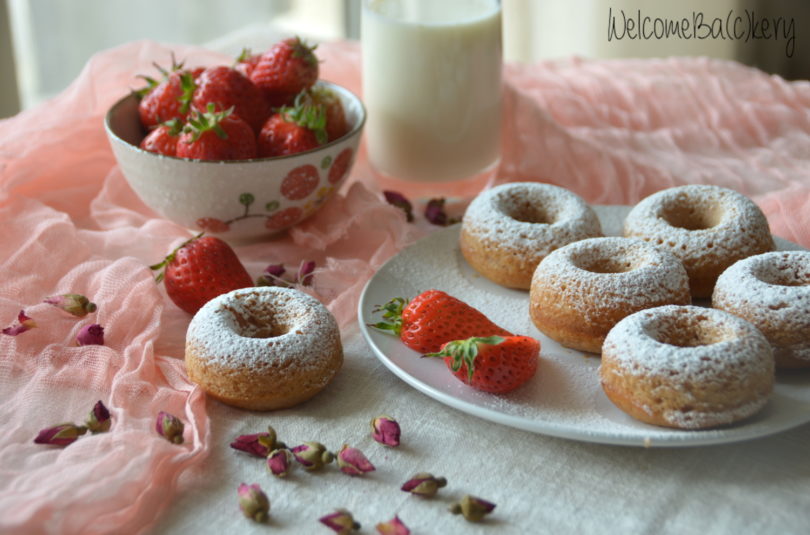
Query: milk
{"x":432,"y":87}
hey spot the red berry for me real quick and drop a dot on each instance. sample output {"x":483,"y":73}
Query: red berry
{"x":216,"y":136}
{"x":163,"y":139}
{"x":246,"y":62}
{"x":199,"y":270}
{"x":434,"y":318}
{"x":168,"y":99}
{"x":289,"y":67}
{"x":336,"y":124}
{"x":300,"y":182}
{"x":226,"y":87}
{"x":280,"y":137}
{"x":492,"y":364}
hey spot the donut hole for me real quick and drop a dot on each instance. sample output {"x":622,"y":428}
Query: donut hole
{"x":784,"y":274}
{"x":690,"y":331}
{"x":259,"y":323}
{"x":691,"y":216}
{"x":528,"y":212}
{"x":607,"y":260}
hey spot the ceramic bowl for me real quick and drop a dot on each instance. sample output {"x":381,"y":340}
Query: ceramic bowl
{"x":239,"y":200}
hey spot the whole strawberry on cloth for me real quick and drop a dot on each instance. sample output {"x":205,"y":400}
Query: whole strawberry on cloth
{"x":169,"y":98}
{"x":200,"y":269}
{"x":289,"y":67}
{"x":213,"y":135}
{"x":492,"y":364}
{"x":226,"y":87}
{"x":433,"y":318}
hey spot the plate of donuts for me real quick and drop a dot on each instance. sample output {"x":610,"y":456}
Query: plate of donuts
{"x":564,"y":399}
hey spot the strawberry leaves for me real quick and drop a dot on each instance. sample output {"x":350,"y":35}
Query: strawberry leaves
{"x":463,"y":352}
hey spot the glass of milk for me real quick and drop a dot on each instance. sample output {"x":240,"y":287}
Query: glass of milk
{"x":432,"y":88}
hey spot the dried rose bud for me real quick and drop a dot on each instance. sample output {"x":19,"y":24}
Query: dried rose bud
{"x":385,"y":430}
{"x":75,"y":304}
{"x":472,"y":508}
{"x":253,"y":502}
{"x":352,"y":461}
{"x":400,"y":201}
{"x":424,"y":484}
{"x":279,"y":462}
{"x":305,"y":273}
{"x":312,"y":455}
{"x":60,"y":435}
{"x":170,"y":427}
{"x":92,"y":334}
{"x":434,"y":212}
{"x":99,"y":420}
{"x":393,"y":527}
{"x":341,"y":521}
{"x":272,"y":276}
{"x":24,"y":323}
{"x":258,"y":444}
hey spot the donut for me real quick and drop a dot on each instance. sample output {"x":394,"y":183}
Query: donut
{"x":772,"y":291}
{"x":686,"y":367}
{"x":507,"y":230}
{"x":707,"y":227}
{"x":263,"y":348}
{"x":580,"y":291}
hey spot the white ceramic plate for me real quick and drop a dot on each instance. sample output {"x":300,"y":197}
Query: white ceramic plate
{"x":564,"y":398}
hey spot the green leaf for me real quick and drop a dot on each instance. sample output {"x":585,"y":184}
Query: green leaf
{"x":246,"y":199}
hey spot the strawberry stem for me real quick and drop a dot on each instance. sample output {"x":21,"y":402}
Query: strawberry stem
{"x":170,"y":258}
{"x":392,"y":316}
{"x":463,"y":352}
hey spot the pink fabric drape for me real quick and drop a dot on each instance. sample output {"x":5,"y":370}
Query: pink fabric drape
{"x":612,"y":131}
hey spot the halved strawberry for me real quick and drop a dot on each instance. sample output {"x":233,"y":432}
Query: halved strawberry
{"x":432,"y":319}
{"x":493,"y":364}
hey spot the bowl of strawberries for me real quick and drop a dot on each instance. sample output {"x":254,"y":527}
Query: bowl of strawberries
{"x":239,"y":151}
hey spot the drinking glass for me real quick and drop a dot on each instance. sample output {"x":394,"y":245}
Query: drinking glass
{"x":432,"y":89}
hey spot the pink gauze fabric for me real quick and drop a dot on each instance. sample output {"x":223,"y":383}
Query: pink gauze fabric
{"x":611,"y":131}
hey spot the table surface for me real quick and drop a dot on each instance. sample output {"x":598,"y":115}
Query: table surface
{"x":613,"y":139}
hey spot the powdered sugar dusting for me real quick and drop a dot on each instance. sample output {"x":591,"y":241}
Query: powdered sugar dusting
{"x":530,"y":217}
{"x":599,"y":274}
{"x":772,"y":291}
{"x":644,"y":344}
{"x":258,"y":327}
{"x":698,"y":222}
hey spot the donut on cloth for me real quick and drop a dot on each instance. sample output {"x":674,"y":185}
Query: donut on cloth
{"x":263,"y":348}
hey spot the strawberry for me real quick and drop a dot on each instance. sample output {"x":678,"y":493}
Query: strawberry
{"x":292,"y":130}
{"x":163,"y":138}
{"x":213,"y":135}
{"x":289,"y":67}
{"x":432,"y":319}
{"x":167,"y":99}
{"x":226,"y":87}
{"x":246,"y":62}
{"x":199,"y":270}
{"x":336,"y":124}
{"x":492,"y":364}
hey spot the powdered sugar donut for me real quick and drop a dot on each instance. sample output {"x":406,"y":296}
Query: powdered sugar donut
{"x":772,"y":291}
{"x":687,"y":367}
{"x":580,"y":291}
{"x":707,"y":227}
{"x":509,"y":229}
{"x":263,"y":348}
